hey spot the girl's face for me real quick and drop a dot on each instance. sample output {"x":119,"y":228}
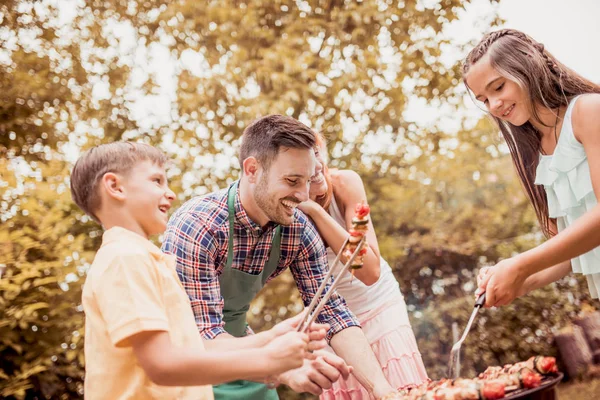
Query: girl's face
{"x":318,"y":184}
{"x":503,"y":98}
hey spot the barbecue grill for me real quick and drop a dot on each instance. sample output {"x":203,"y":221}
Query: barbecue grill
{"x":546,"y":390}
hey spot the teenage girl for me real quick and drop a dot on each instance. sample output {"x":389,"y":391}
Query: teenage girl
{"x":550,"y":118}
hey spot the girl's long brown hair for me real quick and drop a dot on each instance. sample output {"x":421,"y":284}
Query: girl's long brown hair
{"x":548,"y":83}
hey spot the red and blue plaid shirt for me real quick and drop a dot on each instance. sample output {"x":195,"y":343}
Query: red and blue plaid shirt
{"x":197,"y":234}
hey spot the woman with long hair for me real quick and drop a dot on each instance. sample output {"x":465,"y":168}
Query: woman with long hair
{"x":550,"y":118}
{"x":372,"y":294}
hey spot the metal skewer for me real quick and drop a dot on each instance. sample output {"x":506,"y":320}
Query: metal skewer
{"x":454,"y":364}
{"x":313,"y":311}
{"x":315,"y":298}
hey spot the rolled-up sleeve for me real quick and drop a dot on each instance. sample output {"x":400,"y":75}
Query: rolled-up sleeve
{"x":309,"y":270}
{"x":189,"y":239}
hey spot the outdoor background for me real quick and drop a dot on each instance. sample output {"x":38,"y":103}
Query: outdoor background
{"x":380,"y":79}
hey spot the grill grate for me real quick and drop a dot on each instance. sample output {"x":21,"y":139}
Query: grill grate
{"x":548,"y":382}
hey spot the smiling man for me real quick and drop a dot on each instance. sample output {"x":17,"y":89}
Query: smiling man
{"x":230,"y":243}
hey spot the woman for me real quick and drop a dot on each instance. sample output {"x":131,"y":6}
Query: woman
{"x":372,"y":293}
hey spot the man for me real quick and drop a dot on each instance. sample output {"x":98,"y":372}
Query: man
{"x":229,"y":243}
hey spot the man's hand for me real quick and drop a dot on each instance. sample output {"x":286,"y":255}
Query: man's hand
{"x":318,"y":374}
{"x":503,"y":282}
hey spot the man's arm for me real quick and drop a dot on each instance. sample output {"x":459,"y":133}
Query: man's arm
{"x":351,"y":344}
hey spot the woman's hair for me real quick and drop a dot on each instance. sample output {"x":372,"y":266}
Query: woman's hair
{"x":547,"y":83}
{"x":324,"y":200}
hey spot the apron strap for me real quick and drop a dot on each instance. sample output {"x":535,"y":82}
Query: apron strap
{"x":231,"y":218}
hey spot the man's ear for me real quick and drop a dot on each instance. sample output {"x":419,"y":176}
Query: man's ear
{"x":112,"y":185}
{"x":251,"y":169}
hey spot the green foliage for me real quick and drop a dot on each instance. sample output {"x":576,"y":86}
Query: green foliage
{"x":43,"y":250}
{"x":347,"y":68}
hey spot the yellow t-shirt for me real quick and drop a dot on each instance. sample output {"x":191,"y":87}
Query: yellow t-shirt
{"x":133,"y":287}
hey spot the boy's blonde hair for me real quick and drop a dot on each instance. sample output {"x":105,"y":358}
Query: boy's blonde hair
{"x":116,"y":157}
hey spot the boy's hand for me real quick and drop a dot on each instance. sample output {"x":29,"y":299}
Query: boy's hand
{"x":316,"y":333}
{"x":286,"y":352}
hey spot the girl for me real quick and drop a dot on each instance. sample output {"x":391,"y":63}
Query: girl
{"x":550,"y":118}
{"x":373,"y":295}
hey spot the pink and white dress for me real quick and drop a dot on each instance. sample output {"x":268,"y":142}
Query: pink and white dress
{"x":381,"y":310}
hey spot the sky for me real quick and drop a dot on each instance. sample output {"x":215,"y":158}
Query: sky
{"x":569,"y":30}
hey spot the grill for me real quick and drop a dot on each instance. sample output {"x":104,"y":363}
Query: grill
{"x":546,"y":390}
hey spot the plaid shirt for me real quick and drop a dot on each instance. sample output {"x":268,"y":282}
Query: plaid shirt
{"x":197,"y":234}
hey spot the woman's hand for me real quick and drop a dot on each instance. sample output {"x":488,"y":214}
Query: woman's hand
{"x":308,"y":207}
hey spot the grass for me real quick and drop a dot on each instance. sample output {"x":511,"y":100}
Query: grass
{"x":584,"y":390}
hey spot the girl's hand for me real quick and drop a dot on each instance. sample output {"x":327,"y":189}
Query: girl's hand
{"x":481,"y":278}
{"x":503,"y":283}
{"x":308,"y":207}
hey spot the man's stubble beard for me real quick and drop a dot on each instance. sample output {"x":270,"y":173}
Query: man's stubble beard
{"x":266,"y":203}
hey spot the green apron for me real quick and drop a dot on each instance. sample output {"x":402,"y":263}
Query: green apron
{"x":238,"y":289}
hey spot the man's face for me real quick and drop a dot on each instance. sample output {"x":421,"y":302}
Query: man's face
{"x":285,"y":184}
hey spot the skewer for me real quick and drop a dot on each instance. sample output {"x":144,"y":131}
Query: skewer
{"x":315,"y":298}
{"x":313,"y":315}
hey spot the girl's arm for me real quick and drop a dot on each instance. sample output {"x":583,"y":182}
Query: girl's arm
{"x":507,"y":281}
{"x":584,"y":234}
{"x":548,"y":275}
{"x":349,"y":190}
{"x":545,"y":277}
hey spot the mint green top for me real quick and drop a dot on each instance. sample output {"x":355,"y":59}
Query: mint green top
{"x":566,"y":178}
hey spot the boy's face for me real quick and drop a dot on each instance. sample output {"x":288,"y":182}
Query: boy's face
{"x":148,"y":197}
{"x":285,"y":184}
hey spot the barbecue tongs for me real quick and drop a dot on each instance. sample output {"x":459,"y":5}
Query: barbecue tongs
{"x":315,"y":306}
{"x":454,"y":364}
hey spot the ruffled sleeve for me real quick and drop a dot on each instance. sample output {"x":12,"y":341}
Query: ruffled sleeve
{"x":566,"y":174}
{"x":566,"y":178}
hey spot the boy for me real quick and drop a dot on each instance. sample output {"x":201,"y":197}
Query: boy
{"x":141,"y":337}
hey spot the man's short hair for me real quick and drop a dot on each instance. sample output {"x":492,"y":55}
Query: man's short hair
{"x":116,"y":157}
{"x":264,"y":137}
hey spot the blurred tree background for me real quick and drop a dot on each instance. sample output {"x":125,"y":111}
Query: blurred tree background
{"x":188,"y":76}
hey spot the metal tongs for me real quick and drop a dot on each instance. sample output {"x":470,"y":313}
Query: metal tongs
{"x":454,"y":364}
{"x":313,"y":309}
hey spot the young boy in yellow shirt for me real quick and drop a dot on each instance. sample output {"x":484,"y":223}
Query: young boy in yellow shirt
{"x":141,"y":337}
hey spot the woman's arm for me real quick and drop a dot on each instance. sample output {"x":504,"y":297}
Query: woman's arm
{"x":349,"y":190}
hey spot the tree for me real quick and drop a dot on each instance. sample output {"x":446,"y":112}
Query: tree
{"x":41,"y":320}
{"x":346,"y":68}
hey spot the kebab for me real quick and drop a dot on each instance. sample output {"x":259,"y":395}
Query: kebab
{"x":493,"y":383}
{"x":358,"y":231}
